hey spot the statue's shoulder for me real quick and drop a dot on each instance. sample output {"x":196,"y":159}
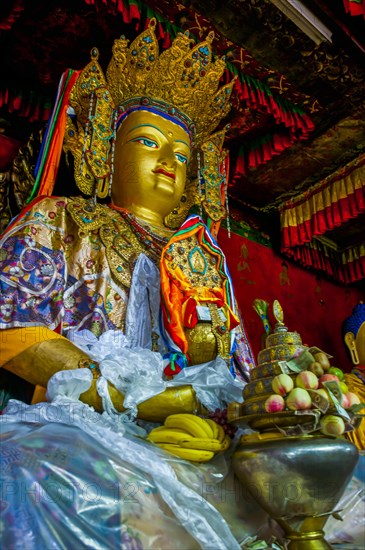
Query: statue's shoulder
{"x":66,"y":212}
{"x":45,"y":211}
{"x":89,"y":215}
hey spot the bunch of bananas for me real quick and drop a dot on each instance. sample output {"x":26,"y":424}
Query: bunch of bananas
{"x":190,"y":437}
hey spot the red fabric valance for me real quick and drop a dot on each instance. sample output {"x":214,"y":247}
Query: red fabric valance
{"x":355,"y":7}
{"x":325,"y":206}
{"x":330,"y":204}
{"x":13,"y":14}
{"x":346,"y":267}
{"x":32,"y":106}
{"x":280,"y":104}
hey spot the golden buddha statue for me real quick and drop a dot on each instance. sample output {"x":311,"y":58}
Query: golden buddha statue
{"x":68,"y":263}
{"x":353,"y":330}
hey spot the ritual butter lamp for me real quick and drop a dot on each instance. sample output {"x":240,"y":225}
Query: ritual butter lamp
{"x":294,"y":472}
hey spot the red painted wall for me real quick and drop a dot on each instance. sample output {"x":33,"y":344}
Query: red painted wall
{"x":313,"y":306}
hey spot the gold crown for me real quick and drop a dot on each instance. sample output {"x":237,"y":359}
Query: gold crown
{"x":183,"y":81}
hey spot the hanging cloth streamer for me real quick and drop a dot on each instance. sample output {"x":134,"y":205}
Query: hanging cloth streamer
{"x":50,"y":154}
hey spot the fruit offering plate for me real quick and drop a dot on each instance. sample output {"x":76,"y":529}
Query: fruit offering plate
{"x":268,"y":421}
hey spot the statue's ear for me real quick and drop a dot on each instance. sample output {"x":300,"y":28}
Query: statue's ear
{"x":350,"y":343}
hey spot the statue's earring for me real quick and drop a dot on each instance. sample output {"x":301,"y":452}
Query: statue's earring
{"x":183,"y":198}
{"x":350,"y":342}
{"x":178,"y":215}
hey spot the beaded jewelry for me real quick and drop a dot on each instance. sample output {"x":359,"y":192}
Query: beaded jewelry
{"x":92,"y":365}
{"x":153,"y":242}
{"x":112,"y":153}
{"x":200,"y":189}
{"x":86,"y":133}
{"x":226,"y":199}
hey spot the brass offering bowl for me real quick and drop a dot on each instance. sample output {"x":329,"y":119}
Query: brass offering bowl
{"x":297,"y":480}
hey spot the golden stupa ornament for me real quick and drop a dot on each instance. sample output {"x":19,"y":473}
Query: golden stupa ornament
{"x":182,"y":82}
{"x":278,"y":312}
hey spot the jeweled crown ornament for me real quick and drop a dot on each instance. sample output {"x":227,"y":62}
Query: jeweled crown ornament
{"x":181,"y":82}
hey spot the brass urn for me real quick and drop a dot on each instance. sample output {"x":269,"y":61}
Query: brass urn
{"x":297,"y":480}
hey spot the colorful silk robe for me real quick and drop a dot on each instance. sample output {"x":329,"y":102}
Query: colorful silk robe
{"x":67,"y":268}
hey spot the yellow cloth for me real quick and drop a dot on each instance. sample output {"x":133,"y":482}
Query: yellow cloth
{"x":39,"y":395}
{"x":16,"y":340}
{"x":356,"y":386}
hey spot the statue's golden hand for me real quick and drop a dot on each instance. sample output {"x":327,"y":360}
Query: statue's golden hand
{"x":39,"y":362}
{"x":209,"y":337}
{"x":202,"y":343}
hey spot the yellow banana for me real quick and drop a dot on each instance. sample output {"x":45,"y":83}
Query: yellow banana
{"x":162,"y":428}
{"x":202,"y":444}
{"x":221,"y":433}
{"x":206,"y":427}
{"x":226,"y":443}
{"x":190,"y":423}
{"x":194,"y":455}
{"x":214,"y":427}
{"x":168,"y":436}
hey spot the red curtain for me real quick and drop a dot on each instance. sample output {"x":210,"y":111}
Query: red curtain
{"x":312,"y":215}
{"x":355,"y":7}
{"x":313,"y":306}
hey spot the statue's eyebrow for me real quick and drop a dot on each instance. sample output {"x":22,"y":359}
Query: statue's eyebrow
{"x":158,"y":129}
{"x":142,"y":125}
{"x":182,"y":141}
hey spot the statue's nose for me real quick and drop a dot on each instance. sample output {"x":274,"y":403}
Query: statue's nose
{"x":167,"y":157}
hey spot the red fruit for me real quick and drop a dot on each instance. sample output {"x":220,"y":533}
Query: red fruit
{"x":345,"y":401}
{"x":282,"y":384}
{"x":274,"y":403}
{"x":298,"y":399}
{"x":307,"y":380}
{"x":327,"y":378}
{"x":352,"y":398}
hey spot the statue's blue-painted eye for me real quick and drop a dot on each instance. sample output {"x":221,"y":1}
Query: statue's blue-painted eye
{"x":147,"y":142}
{"x":181,"y":158}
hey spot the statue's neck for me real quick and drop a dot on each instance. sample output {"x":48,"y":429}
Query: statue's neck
{"x":147,"y":216}
{"x":148,"y":219}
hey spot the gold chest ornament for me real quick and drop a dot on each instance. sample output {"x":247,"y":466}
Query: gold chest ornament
{"x":122,"y":245}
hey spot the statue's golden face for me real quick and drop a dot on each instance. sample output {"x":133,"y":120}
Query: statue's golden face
{"x":356,"y":345}
{"x":360,"y":344}
{"x":151,"y":157}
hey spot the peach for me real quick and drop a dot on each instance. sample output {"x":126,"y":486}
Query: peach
{"x":353,"y":399}
{"x":327,"y":378}
{"x":323,"y":392}
{"x":345,"y":401}
{"x":331,"y":424}
{"x":322,"y":359}
{"x":282,"y":384}
{"x":274,"y":403}
{"x":316,"y":368}
{"x":298,"y":399}
{"x":306,"y":380}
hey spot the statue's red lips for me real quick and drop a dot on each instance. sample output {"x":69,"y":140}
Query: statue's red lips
{"x":165,"y":173}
